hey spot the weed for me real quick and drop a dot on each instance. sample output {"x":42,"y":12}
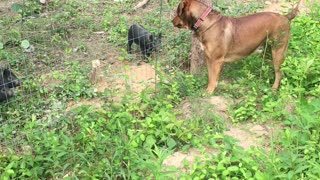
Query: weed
{"x":74,"y":84}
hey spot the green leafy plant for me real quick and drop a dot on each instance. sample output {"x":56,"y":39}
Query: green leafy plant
{"x":247,"y":108}
{"x":301,"y":70}
{"x":74,"y":84}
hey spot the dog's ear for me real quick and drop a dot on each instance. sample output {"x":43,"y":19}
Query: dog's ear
{"x":182,"y":6}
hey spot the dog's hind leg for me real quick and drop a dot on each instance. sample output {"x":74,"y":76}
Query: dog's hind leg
{"x":278,"y":55}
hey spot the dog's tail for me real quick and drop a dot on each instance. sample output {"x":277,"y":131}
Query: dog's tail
{"x":294,"y":12}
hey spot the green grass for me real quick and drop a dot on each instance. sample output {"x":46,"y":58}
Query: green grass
{"x":129,"y":138}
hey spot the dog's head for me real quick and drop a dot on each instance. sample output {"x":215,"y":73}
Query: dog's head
{"x":183,"y":15}
{"x":188,"y":11}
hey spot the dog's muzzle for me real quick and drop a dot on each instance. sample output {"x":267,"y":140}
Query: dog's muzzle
{"x":177,"y":22}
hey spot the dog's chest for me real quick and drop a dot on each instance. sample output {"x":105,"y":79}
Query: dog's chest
{"x":201,"y":46}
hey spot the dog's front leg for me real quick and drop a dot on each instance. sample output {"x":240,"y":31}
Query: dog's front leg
{"x":214,"y":68}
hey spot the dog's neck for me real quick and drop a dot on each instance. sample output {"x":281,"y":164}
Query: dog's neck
{"x":202,"y":18}
{"x":206,"y":25}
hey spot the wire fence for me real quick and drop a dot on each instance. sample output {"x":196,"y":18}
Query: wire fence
{"x":57,"y":53}
{"x":44,"y":37}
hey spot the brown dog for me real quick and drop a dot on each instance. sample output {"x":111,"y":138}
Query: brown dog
{"x":227,"y":39}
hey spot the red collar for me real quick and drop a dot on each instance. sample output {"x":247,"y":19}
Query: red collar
{"x":202,"y":17}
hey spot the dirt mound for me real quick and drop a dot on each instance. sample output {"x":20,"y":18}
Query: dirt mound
{"x":178,"y":159}
{"x":247,"y":134}
{"x":254,"y":134}
{"x":136,"y":77}
{"x":216,"y":104}
{"x":251,"y":134}
{"x":97,"y":103}
{"x":123,"y":77}
{"x":221,"y":105}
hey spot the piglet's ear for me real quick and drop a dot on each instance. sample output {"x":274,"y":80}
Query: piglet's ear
{"x":150,"y":38}
{"x":6,"y":72}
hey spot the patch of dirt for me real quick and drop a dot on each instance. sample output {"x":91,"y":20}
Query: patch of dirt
{"x":49,"y":80}
{"x":178,"y":159}
{"x":98,"y":48}
{"x":121,"y":76}
{"x":5,"y":8}
{"x":5,"y":5}
{"x":97,"y":103}
{"x":220,"y":105}
{"x":283,"y":7}
{"x":253,"y":134}
{"x":187,"y":109}
{"x":247,"y":134}
{"x":138,"y":77}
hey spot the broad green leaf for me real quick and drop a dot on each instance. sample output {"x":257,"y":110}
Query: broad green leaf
{"x":233,"y":168}
{"x":171,"y":143}
{"x":25,"y":44}
{"x":16,"y":7}
{"x":142,"y":137}
{"x":134,"y":144}
{"x":9,"y":171}
{"x":149,"y":141}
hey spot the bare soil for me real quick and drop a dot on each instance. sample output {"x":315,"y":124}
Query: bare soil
{"x":178,"y":159}
{"x":138,"y":77}
{"x":96,"y":103}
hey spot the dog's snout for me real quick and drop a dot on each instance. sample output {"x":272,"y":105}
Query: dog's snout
{"x":175,"y":22}
{"x":172,"y":21}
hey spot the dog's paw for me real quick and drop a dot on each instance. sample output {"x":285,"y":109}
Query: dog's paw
{"x":205,"y":94}
{"x":210,"y":90}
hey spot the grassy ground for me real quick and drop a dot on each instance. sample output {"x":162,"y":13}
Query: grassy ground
{"x":60,"y":125}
